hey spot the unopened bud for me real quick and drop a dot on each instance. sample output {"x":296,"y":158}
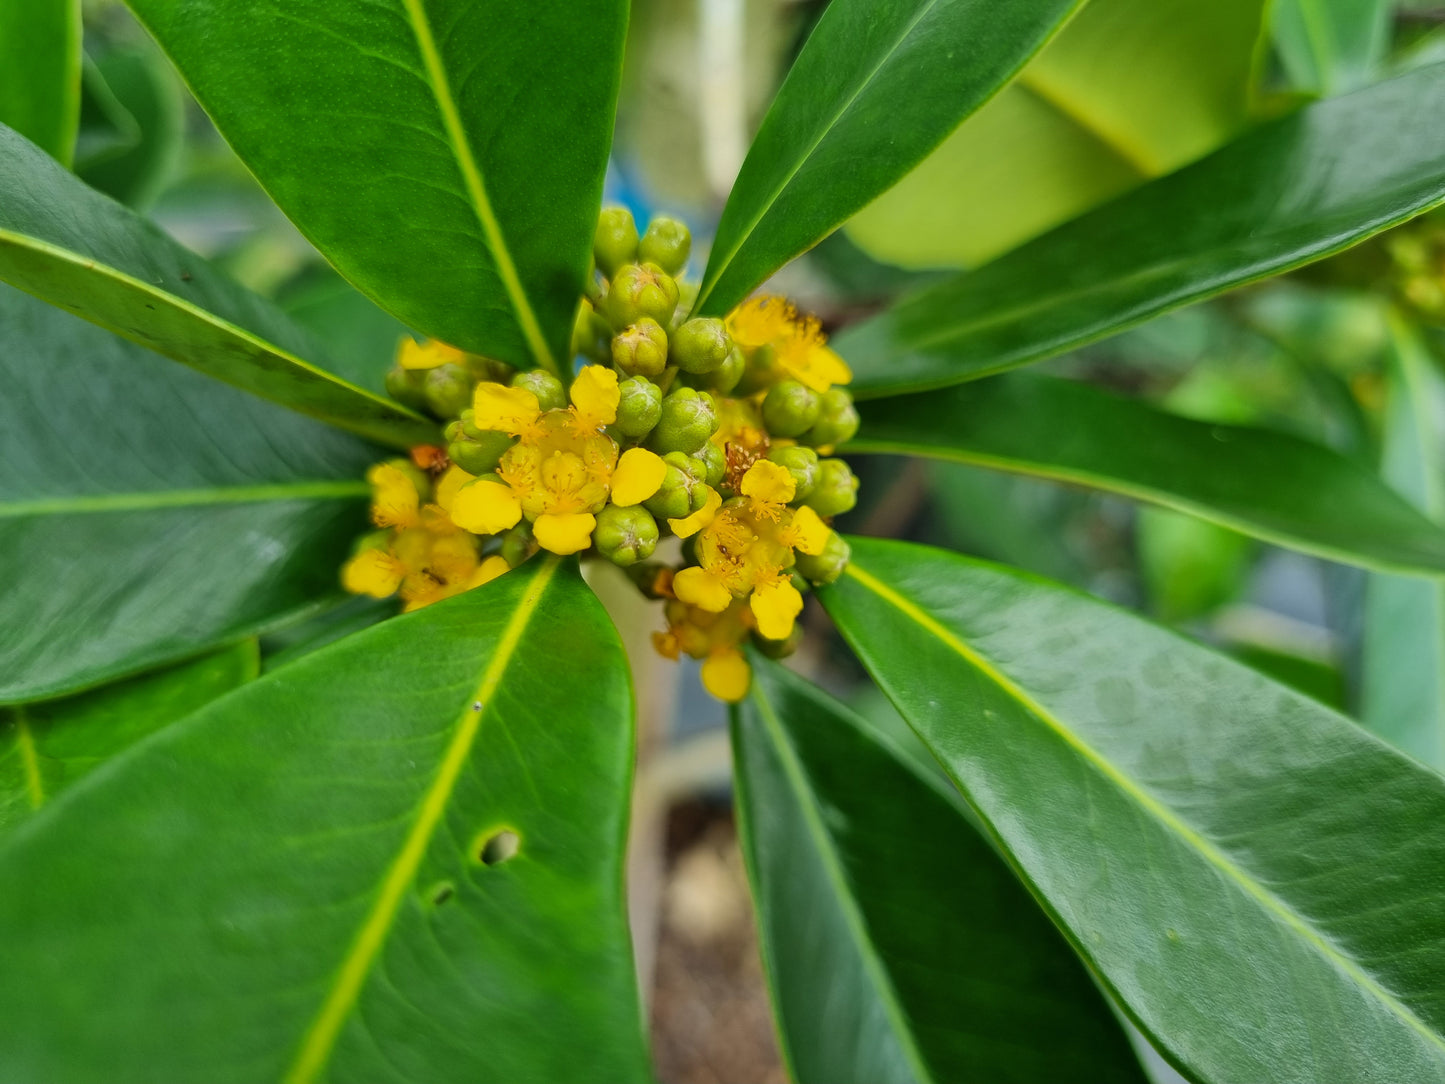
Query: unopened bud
{"x":518,"y":544}
{"x":625,"y":535}
{"x":836,"y":491}
{"x":448,"y":390}
{"x":477,"y":454}
{"x":714,"y":463}
{"x":638,"y":291}
{"x":689,"y":419}
{"x":701,"y":345}
{"x":827,"y":566}
{"x":550,"y":393}
{"x":790,"y":409}
{"x":407,"y":386}
{"x":683,"y":490}
{"x":615,"y":242}
{"x":666,"y":243}
{"x":837,"y":420}
{"x":639,"y":406}
{"x":801,"y":463}
{"x":640,"y":349}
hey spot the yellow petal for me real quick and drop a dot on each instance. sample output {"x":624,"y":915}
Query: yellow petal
{"x":828,"y":365}
{"x":372,"y":572}
{"x":639,"y":475}
{"x":727,"y":676}
{"x":507,"y":410}
{"x":489,"y":570}
{"x":698,"y":587}
{"x":767,"y":481}
{"x":690,"y":525}
{"x":411,"y":354}
{"x":394,"y":499}
{"x":809,"y":534}
{"x":776,"y":605}
{"x":486,"y":507}
{"x":564,"y":534}
{"x":595,"y":395}
{"x":759,"y":321}
{"x":450,"y":482}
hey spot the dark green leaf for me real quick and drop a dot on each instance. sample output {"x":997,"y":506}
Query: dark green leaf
{"x":876,"y":87}
{"x":148,"y":513}
{"x":872,"y":886}
{"x":1290,"y":192}
{"x":1403,"y":672}
{"x":362,"y":337}
{"x":1270,"y":485}
{"x":143,"y":85}
{"x":294,"y":883}
{"x":1255,"y":878}
{"x":446,"y":156}
{"x":44,"y":748}
{"x":40,"y":72}
{"x":79,"y":250}
{"x":1329,"y":46}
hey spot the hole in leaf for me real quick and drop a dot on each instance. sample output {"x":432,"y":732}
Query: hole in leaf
{"x":441,"y":892}
{"x":498,"y":847}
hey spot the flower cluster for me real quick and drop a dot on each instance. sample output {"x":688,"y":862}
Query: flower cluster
{"x":717,"y":433}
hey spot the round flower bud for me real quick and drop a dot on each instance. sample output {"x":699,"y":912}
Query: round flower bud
{"x":714,"y":463}
{"x":615,"y":242}
{"x":639,"y":406}
{"x":479,"y":454}
{"x":625,"y":535}
{"x":666,"y":243}
{"x":448,"y":390}
{"x":828,"y":565}
{"x":682,"y":491}
{"x":727,"y":375}
{"x":480,"y":368}
{"x":779,"y":649}
{"x":653,"y":579}
{"x":641,"y":349}
{"x":701,"y":345}
{"x":837,"y":420}
{"x":638,"y":291}
{"x":407,"y":386}
{"x":518,"y":544}
{"x":790,"y":409}
{"x":836,"y":490}
{"x":550,"y":393}
{"x":761,"y":372}
{"x":801,"y":463}
{"x":689,"y":418}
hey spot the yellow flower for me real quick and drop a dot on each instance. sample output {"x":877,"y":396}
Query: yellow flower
{"x":411,"y":354}
{"x":373,"y":572}
{"x":713,"y":637}
{"x":727,"y":675}
{"x":395,"y":501}
{"x":799,"y":345}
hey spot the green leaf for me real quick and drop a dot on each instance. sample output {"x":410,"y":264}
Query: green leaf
{"x":44,"y":748}
{"x":1403,"y":671}
{"x":295,"y":881}
{"x":876,"y":87}
{"x":147,"y":513}
{"x":1255,"y":878}
{"x":1290,"y":192}
{"x":446,"y":156}
{"x":362,"y":337}
{"x":143,"y":85}
{"x":1189,"y":565}
{"x":79,"y":250}
{"x":1262,"y":483}
{"x":1130,"y":89}
{"x":1330,"y":46}
{"x":40,"y":72}
{"x":872,"y":886}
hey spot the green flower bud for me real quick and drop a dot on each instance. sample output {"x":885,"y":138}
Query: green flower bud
{"x":683,"y":491}
{"x":639,"y":291}
{"x":407,"y":386}
{"x":727,"y":375}
{"x":666,"y":243}
{"x":625,"y":535}
{"x":780,"y":649}
{"x":714,"y":463}
{"x":639,"y":406}
{"x":790,"y":409}
{"x":828,"y":565}
{"x":689,"y":418}
{"x":836,"y":490}
{"x":518,"y":544}
{"x":837,"y":420}
{"x":801,"y":463}
{"x":479,"y":454}
{"x":701,"y":345}
{"x":480,"y":368}
{"x":761,"y":372}
{"x":448,"y":390}
{"x":615,"y":242}
{"x":649,"y":578}
{"x":641,"y":349}
{"x":550,"y":393}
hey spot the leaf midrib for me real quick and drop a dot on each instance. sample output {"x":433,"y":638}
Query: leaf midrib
{"x":1150,"y":805}
{"x":833,"y":865}
{"x":316,"y":1047}
{"x":476,"y":187}
{"x":182,"y":498}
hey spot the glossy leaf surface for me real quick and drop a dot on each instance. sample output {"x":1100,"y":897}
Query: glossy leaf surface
{"x":80,"y":251}
{"x":1267,"y":484}
{"x":1289,"y":192}
{"x":45,"y":748}
{"x":302,"y":876}
{"x":1330,"y":46}
{"x":1128,"y":90}
{"x":1165,"y":804}
{"x":148,"y":513}
{"x":876,"y":87}
{"x":446,"y":156}
{"x":1402,"y":695}
{"x":40,"y":72}
{"x":870,"y":884}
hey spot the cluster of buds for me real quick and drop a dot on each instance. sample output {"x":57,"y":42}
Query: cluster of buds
{"x":715,"y":432}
